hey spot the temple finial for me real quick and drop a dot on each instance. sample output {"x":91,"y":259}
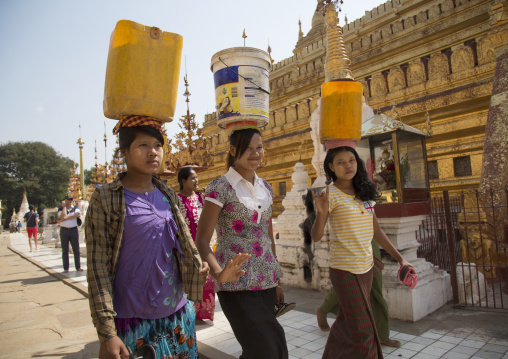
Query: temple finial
{"x":337,"y":66}
{"x":244,"y":35}
{"x":269,"y":50}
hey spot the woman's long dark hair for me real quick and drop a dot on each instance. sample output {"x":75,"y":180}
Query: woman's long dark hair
{"x":365,"y":189}
{"x":183,"y":174}
{"x":240,"y":140}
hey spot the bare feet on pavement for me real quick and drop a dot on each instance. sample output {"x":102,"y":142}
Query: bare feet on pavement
{"x":321,"y":321}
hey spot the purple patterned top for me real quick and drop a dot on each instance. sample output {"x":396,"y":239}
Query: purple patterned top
{"x":242,"y":227}
{"x":148,"y":284}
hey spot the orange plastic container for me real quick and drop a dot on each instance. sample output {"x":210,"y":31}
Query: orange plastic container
{"x":142,"y":72}
{"x":341,"y":111}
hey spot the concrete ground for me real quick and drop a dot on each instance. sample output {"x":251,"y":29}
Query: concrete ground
{"x":44,"y":314}
{"x":40,"y":315}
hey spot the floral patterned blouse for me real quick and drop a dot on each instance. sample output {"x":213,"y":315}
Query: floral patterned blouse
{"x":191,"y":208}
{"x":242,"y":227}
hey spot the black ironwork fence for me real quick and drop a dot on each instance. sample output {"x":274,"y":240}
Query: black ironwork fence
{"x":466,"y":234}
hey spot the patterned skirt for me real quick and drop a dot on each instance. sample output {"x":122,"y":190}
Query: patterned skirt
{"x":206,"y":308}
{"x":353,"y":334}
{"x":172,"y":337}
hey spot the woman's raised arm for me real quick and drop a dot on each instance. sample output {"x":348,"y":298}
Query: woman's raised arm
{"x":321,"y":201}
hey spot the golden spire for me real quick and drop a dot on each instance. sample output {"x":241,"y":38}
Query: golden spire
{"x":244,"y":35}
{"x":189,"y":147}
{"x":74,"y":186}
{"x":117,"y":163}
{"x":300,"y":32}
{"x":337,"y":66}
{"x":81,"y":169}
{"x":269,"y":50}
{"x":95,"y":153}
{"x":105,"y":153}
{"x":186,"y":93}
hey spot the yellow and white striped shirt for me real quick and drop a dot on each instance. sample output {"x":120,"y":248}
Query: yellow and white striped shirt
{"x":351,"y":231}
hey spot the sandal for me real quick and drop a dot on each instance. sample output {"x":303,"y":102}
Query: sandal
{"x":283,"y":308}
{"x":391,"y":343}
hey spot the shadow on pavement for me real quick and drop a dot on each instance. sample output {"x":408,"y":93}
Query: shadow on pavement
{"x":31,"y":281}
{"x":91,"y":350}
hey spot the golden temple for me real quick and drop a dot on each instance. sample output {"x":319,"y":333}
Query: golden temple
{"x":432,"y":59}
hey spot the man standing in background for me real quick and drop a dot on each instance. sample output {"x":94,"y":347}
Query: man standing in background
{"x":67,"y":215}
{"x":32,"y":220}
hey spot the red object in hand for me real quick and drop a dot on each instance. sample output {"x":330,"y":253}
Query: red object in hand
{"x":405,"y":276}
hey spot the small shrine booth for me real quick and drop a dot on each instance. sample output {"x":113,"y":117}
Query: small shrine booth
{"x":396,"y":160}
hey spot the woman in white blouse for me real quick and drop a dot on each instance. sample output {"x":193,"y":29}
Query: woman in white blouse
{"x":245,"y":267}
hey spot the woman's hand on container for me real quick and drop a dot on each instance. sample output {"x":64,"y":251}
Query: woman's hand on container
{"x":231,"y":271}
{"x":321,"y":201}
{"x":113,"y":348}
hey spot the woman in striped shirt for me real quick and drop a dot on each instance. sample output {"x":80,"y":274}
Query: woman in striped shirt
{"x":348,"y":204}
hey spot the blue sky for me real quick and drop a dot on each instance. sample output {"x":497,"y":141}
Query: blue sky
{"x":54,"y":53}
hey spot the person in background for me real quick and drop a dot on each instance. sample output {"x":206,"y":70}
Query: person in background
{"x":67,"y":217}
{"x":191,"y":205}
{"x":143,"y":269}
{"x":32,"y":219}
{"x":13,"y":226}
{"x":239,"y":206}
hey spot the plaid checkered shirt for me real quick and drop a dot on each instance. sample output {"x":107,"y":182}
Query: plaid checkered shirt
{"x":104,"y":225}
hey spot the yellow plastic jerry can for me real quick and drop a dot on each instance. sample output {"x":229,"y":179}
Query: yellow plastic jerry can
{"x":142,"y":72}
{"x":341,"y":110}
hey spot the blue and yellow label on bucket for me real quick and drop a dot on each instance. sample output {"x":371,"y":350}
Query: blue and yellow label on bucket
{"x":226,"y":92}
{"x":239,"y":94}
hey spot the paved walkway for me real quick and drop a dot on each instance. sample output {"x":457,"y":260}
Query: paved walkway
{"x":41,"y":316}
{"x":448,"y":333}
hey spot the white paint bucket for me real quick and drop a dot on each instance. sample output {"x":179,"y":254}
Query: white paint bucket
{"x":241,"y":87}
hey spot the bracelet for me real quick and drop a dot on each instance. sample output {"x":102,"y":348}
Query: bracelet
{"x":278,"y":286}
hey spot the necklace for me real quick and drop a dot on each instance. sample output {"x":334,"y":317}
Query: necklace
{"x":343,"y":190}
{"x":358,"y":204}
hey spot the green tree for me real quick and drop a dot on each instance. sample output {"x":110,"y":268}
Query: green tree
{"x":88,"y":175}
{"x":36,"y":167}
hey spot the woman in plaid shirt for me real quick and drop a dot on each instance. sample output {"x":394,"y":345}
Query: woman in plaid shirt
{"x":143,"y":266}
